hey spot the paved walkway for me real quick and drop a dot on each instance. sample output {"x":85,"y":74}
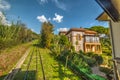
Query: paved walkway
{"x":15,"y":69}
{"x":96,"y":70}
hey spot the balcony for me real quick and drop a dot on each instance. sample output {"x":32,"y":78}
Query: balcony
{"x":91,"y":39}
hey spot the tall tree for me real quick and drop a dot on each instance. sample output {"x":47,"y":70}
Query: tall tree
{"x":46,"y":34}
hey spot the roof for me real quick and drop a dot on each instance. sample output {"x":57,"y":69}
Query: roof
{"x":81,"y":30}
{"x":90,"y":32}
{"x":63,"y":32}
{"x":76,"y":29}
{"x":111,"y":10}
{"x":103,"y":17}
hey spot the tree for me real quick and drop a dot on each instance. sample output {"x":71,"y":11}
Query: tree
{"x":98,"y":59}
{"x":46,"y":34}
{"x":63,"y":41}
{"x":100,"y":29}
{"x":15,"y":34}
{"x":64,"y":44}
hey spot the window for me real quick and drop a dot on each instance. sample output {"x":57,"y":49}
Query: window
{"x":79,"y":47}
{"x":78,"y":37}
{"x":70,"y":37}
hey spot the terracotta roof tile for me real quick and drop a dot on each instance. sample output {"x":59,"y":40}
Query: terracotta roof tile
{"x":81,"y":30}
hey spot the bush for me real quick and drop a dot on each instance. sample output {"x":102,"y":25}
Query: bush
{"x":105,"y":69}
{"x":90,"y":54}
{"x":81,"y":52}
{"x":73,"y":48}
{"x":91,"y":62}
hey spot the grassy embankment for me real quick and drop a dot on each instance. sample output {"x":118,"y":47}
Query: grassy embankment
{"x":10,"y":56}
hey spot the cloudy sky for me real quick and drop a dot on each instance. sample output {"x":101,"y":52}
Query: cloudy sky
{"x":63,"y":14}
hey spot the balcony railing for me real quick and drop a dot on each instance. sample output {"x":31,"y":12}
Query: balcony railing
{"x":90,"y":39}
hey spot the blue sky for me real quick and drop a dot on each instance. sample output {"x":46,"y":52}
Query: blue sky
{"x":63,"y":14}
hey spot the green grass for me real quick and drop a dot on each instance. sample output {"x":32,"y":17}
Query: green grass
{"x":32,"y":68}
{"x":10,"y":56}
{"x":53,"y":69}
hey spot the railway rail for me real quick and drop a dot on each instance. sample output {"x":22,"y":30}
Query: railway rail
{"x":16,"y":69}
{"x":38,"y":59}
{"x":26,"y":73}
{"x":34,"y":69}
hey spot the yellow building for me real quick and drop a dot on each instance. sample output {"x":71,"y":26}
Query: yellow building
{"x":83,"y":39}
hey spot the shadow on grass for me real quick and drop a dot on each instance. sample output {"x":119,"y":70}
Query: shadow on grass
{"x":20,"y":75}
{"x":38,"y":45}
{"x":63,"y":72}
{"x":60,"y":68}
{"x":2,"y":77}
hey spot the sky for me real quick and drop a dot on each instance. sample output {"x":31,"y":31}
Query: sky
{"x":63,"y":14}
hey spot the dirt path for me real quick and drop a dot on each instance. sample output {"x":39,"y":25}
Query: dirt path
{"x":15,"y":69}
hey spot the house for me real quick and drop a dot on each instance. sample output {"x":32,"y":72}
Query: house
{"x":62,"y":32}
{"x":85,"y":40}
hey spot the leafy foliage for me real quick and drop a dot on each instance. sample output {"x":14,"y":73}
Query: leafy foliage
{"x":78,"y":63}
{"x":100,"y":29}
{"x":63,"y":40}
{"x":15,"y":34}
{"x":106,"y":46}
{"x":46,"y":34}
{"x":55,"y":48}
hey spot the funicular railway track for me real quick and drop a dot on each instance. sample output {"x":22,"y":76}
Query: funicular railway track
{"x":17,"y":67}
{"x":26,"y":73}
{"x":39,"y":65}
{"x":38,"y":60}
{"x":44,"y":78}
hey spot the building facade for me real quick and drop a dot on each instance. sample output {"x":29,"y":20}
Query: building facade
{"x":85,"y":40}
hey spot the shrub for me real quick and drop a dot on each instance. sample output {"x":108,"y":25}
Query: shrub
{"x":98,"y":59}
{"x":91,"y":62}
{"x":90,"y":54}
{"x":105,"y":69}
{"x":73,"y":48}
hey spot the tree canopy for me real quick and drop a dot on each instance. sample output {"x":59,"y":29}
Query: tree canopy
{"x":46,"y":34}
{"x":63,"y":40}
{"x":100,"y":29}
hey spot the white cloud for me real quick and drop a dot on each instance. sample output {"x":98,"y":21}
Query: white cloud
{"x":42,"y":18}
{"x":56,"y":2}
{"x":3,"y":19}
{"x":58,"y":18}
{"x":63,"y":29}
{"x":32,"y":30}
{"x":49,"y":19}
{"x":59,"y":4}
{"x":42,"y":1}
{"x":4,"y":5}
